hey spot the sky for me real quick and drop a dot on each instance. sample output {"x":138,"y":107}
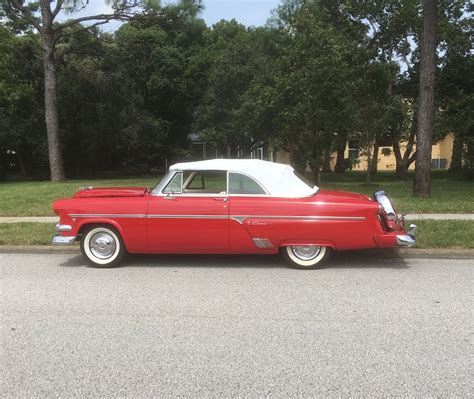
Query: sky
{"x":247,"y":12}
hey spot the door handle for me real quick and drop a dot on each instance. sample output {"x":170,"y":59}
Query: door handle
{"x":223,"y":199}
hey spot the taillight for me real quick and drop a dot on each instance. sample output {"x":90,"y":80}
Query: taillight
{"x":387,"y":208}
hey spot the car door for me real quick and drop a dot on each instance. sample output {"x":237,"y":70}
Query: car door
{"x":190,"y":214}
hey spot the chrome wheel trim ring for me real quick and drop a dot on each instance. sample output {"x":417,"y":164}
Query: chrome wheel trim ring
{"x":102,"y":245}
{"x":306,"y":252}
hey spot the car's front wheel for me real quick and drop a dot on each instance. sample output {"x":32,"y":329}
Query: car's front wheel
{"x":102,"y":246}
{"x":306,"y":256}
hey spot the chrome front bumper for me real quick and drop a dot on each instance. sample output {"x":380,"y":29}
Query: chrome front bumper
{"x":60,"y":240}
{"x":407,"y":240}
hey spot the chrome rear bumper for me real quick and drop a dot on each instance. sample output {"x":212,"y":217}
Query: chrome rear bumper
{"x":60,"y":240}
{"x":407,"y":240}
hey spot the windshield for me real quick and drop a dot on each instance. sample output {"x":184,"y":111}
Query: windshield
{"x":157,"y":189}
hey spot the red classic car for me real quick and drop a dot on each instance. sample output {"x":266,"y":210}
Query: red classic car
{"x":228,"y":206}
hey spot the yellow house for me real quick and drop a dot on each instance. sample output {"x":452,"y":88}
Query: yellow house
{"x":441,"y":155}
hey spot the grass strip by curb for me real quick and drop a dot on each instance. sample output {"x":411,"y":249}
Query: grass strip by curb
{"x":26,"y":233}
{"x":450,"y":192}
{"x":457,"y":234}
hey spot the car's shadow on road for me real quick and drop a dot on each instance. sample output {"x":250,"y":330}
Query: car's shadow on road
{"x":364,"y":259}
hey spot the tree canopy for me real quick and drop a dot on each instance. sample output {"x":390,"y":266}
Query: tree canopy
{"x":318,"y":73}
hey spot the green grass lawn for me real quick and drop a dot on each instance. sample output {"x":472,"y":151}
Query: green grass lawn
{"x":26,"y":233}
{"x":33,"y":198}
{"x":430,"y":234}
{"x":445,"y":234}
{"x":451,"y":193}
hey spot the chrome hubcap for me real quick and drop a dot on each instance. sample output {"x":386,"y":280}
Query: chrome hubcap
{"x":102,"y":245}
{"x":308,"y":252}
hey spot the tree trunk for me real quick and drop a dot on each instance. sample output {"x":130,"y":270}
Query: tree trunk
{"x":401,"y":171}
{"x":403,"y":162}
{"x":369,"y":167}
{"x":21,"y":163}
{"x":341,"y":149}
{"x":422,"y":180}
{"x":3,"y":165}
{"x":375,"y":159}
{"x":317,"y":172}
{"x":51,"y":93}
{"x":327,"y":160}
{"x":456,"y":157}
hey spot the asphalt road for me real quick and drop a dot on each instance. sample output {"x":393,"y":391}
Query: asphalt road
{"x":365,"y":325}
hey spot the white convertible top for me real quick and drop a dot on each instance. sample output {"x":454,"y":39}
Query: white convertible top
{"x":278,"y":179}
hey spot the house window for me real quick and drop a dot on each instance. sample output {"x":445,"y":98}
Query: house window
{"x":439,"y":163}
{"x":353,"y":149}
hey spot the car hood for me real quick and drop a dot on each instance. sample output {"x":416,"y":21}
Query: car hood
{"x":111,"y":192}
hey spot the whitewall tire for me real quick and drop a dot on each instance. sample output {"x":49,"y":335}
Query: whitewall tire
{"x":102,"y":246}
{"x":306,"y":256}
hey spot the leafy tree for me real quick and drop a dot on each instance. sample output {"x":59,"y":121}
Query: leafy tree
{"x":455,"y":82}
{"x":321,"y":77}
{"x":41,"y":15}
{"x":21,"y":123}
{"x":237,"y":58}
{"x":156,"y":58}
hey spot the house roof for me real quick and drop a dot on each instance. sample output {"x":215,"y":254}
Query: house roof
{"x":278,"y":179}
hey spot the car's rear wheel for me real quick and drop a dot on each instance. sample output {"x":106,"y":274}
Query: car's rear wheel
{"x":306,"y":256}
{"x":102,"y":246}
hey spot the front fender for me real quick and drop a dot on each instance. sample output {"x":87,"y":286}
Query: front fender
{"x":132,"y":231}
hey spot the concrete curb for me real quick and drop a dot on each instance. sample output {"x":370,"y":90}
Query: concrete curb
{"x":39,"y":249}
{"x":420,"y":253}
{"x":29,"y":219}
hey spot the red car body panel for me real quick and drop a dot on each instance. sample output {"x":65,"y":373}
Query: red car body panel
{"x":228,"y":224}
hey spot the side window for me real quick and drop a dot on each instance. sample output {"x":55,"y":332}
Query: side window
{"x":241,"y":184}
{"x":205,"y":182}
{"x":175,"y":184}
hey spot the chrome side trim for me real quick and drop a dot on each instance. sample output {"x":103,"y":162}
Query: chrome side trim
{"x":187,"y":216}
{"x":60,"y":240}
{"x":63,"y":227}
{"x":238,"y":218}
{"x":241,"y":219}
{"x":262,"y":243}
{"x":108,"y":215}
{"x":406,"y":240}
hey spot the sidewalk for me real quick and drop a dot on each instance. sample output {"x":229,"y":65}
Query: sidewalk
{"x":439,"y":216}
{"x":410,"y":216}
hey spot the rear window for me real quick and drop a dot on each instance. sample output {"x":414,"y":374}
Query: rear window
{"x":241,"y":184}
{"x":303,"y":179}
